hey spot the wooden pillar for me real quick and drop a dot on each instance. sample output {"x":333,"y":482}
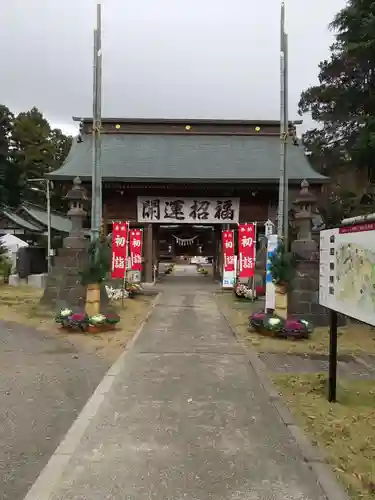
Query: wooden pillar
{"x":217,"y":256}
{"x":148,"y":254}
{"x":105,"y":220}
{"x":156,"y":232}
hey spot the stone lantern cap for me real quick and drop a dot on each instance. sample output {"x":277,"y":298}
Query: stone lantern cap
{"x":77,"y":192}
{"x":305,"y":196}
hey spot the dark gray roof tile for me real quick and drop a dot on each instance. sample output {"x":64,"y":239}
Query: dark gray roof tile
{"x":187,"y":158}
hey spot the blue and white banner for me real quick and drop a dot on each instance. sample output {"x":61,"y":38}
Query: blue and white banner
{"x":270,"y":285}
{"x":229,"y":277}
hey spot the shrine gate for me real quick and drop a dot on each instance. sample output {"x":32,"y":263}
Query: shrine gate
{"x":183,"y":181}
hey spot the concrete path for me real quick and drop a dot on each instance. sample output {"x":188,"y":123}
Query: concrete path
{"x":185,"y":418}
{"x":44,"y":383}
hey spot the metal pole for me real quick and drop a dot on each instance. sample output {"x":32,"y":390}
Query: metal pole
{"x":48,"y":195}
{"x":96,"y":206}
{"x":99,"y":117}
{"x":280,"y":215}
{"x":94,"y":235}
{"x":332,"y":369}
{"x":286,"y":128}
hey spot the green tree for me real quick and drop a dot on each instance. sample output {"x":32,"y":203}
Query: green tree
{"x":9,"y":185}
{"x":343,"y":103}
{"x":338,"y":205}
{"x":61,"y":147}
{"x":38,"y":150}
{"x":33,"y":149}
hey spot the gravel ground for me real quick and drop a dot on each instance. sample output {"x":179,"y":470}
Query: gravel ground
{"x":44,"y":383}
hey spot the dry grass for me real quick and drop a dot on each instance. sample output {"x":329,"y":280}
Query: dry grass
{"x":20,"y":304}
{"x":354,"y":339}
{"x":346,"y":430}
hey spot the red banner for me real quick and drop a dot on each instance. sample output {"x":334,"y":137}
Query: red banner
{"x":119,"y":249}
{"x":135,"y":245}
{"x":228,"y":250}
{"x":246,"y":250}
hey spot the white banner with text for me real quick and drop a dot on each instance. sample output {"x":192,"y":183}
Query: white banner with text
{"x":188,"y":210}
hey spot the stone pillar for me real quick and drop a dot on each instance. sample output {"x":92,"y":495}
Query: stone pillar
{"x":148,"y":254}
{"x":304,"y":295}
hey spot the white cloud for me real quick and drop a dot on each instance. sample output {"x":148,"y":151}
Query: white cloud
{"x":164,"y":58}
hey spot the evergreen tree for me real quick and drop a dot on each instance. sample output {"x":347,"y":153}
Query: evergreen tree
{"x":8,"y":189}
{"x":344,"y":101}
{"x":281,"y":265}
{"x":38,"y":150}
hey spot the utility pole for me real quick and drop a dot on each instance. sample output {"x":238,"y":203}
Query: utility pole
{"x":49,"y":238}
{"x":96,"y":196}
{"x":286,"y":127}
{"x":283,"y":205}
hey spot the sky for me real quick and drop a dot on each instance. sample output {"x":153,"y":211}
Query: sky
{"x":161,"y":58}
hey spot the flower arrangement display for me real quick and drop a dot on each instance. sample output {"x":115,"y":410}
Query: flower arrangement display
{"x":266,"y":323}
{"x":242,"y":291}
{"x":79,"y":321}
{"x":297,"y":329}
{"x":97,"y":319}
{"x":169,"y":269}
{"x":202,"y":270}
{"x":70,"y":320}
{"x":116,"y":293}
{"x":112,"y":319}
{"x":282,"y":269}
{"x":63,"y":317}
{"x":94,"y":272}
{"x":133,"y":289}
{"x":275,"y":326}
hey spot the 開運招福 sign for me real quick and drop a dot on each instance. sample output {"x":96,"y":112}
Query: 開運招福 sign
{"x":188,"y":210}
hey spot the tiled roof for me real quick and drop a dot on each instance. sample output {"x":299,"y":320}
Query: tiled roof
{"x":19,"y":221}
{"x":58,"y":222}
{"x":187,"y":158}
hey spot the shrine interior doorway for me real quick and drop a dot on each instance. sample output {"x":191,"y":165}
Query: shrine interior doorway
{"x":191,"y":248}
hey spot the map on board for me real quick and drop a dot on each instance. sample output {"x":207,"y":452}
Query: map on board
{"x":347,"y":271}
{"x":355,"y":275}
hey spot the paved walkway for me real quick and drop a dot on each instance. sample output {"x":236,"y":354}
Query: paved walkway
{"x":186,"y":418}
{"x":45,"y":382}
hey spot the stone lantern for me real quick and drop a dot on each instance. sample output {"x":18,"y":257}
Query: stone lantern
{"x":303,"y":301}
{"x":77,"y":197}
{"x":303,"y":216}
{"x":64,"y":288}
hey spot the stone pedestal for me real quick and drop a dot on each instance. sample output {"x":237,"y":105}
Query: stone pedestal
{"x":304,"y":297}
{"x":64,"y":287}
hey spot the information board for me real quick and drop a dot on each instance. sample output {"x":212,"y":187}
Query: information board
{"x":347,"y":271}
